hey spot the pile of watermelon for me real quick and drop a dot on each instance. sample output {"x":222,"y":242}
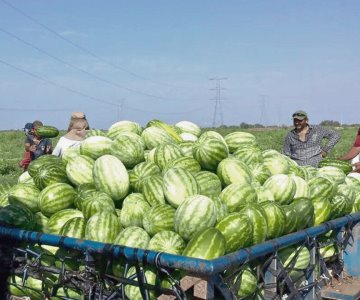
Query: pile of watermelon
{"x":177,"y":189}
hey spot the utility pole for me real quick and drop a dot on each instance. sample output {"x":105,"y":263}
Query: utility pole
{"x":119,"y":109}
{"x":263,"y":99}
{"x":218,"y":99}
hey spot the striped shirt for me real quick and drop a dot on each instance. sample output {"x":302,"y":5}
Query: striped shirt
{"x":308,"y":152}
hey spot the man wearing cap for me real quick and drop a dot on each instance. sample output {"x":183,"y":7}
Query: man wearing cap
{"x":303,"y":144}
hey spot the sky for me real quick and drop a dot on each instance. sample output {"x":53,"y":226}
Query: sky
{"x":210,"y":62}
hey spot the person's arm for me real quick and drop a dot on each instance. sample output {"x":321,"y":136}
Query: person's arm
{"x":354,"y":151}
{"x":333,"y":137}
{"x":29,"y":145}
{"x":286,"y":147}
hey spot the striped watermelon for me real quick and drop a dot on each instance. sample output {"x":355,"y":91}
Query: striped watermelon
{"x":295,"y":258}
{"x":133,"y":212}
{"x":345,"y":166}
{"x":304,"y":209}
{"x":58,"y":220}
{"x":95,"y":132}
{"x":132,"y":136}
{"x":232,"y":170}
{"x":237,"y":139}
{"x":133,"y":198}
{"x":56,"y":197}
{"x":194,"y":214}
{"x":237,"y":231}
{"x":129,"y":150}
{"x":173,"y":131}
{"x":48,"y":174}
{"x":165,"y":153}
{"x":96,"y":146}
{"x":133,"y":236}
{"x":185,"y":162}
{"x":31,"y":287}
{"x":40,"y":222}
{"x":178,"y":184}
{"x":334,"y":173}
{"x":206,"y":244}
{"x":350,"y":193}
{"x":141,"y":171}
{"x":221,"y":209}
{"x":123,"y":126}
{"x":17,"y":216}
{"x":97,"y":202}
{"x":23,"y":178}
{"x":248,"y":283}
{"x":74,"y":227}
{"x":185,"y":136}
{"x":103,"y":227}
{"x":260,"y":173}
{"x":44,"y":160}
{"x":82,"y":192}
{"x":264,"y":194}
{"x":160,"y":217}
{"x":152,"y":189}
{"x":321,"y":188}
{"x":189,"y":127}
{"x":292,"y":219}
{"x":209,"y":152}
{"x":150,"y":155}
{"x":154,"y":136}
{"x":167,"y":241}
{"x":186,"y":148}
{"x":275,"y":217}
{"x":275,"y":162}
{"x":212,"y":134}
{"x":132,"y":291}
{"x":111,"y":177}
{"x":257,"y":218}
{"x":302,"y":189}
{"x":79,"y":170}
{"x":25,"y":195}
{"x":340,"y":206}
{"x":209,"y":184}
{"x":322,"y":211}
{"x":236,"y":195}
{"x":69,"y":154}
{"x":282,"y":187}
{"x":249,"y":154}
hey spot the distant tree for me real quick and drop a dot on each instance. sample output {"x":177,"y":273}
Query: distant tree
{"x":330,"y":123}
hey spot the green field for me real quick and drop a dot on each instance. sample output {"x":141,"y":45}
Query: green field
{"x":12,"y":146}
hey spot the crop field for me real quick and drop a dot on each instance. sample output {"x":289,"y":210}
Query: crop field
{"x":12,"y":145}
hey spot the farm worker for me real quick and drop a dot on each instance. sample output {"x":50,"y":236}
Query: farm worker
{"x":24,"y":163}
{"x":76,"y":133}
{"x":354,"y":152}
{"x":303,"y":144}
{"x":36,"y":145}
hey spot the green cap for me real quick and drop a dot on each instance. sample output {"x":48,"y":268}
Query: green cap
{"x":300,"y":115}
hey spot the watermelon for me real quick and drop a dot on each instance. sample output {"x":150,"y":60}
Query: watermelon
{"x":275,"y":162}
{"x":321,"y":188}
{"x":221,"y":209}
{"x":248,"y":283}
{"x":304,"y":209}
{"x":260,"y":173}
{"x":185,"y":136}
{"x":152,"y":189}
{"x":58,"y":220}
{"x":206,"y":244}
{"x":95,"y":132}
{"x":282,"y":187}
{"x":249,"y":154}
{"x":186,"y":148}
{"x":154,"y":136}
{"x":56,"y":197}
{"x":209,"y":152}
{"x":185,"y":162}
{"x":189,"y":127}
{"x":40,"y":222}
{"x":167,"y":241}
{"x":345,"y":166}
{"x":96,"y":146}
{"x":236,"y":195}
{"x":275,"y":217}
{"x":237,"y":231}
{"x":335,"y":174}
{"x":141,"y":171}
{"x":302,"y":189}
{"x":97,"y":202}
{"x":322,"y":211}
{"x":17,"y":216}
{"x":123,"y":126}
{"x":170,"y":130}
{"x":79,"y":170}
{"x":232,"y":170}
{"x":264,"y":194}
{"x":69,"y":154}
{"x":103,"y":227}
{"x":340,"y":206}
{"x":297,"y":259}
{"x":129,"y":150}
{"x":237,"y":139}
{"x":82,"y":192}
{"x":178,"y":184}
{"x":74,"y":227}
{"x":111,"y":177}
{"x":292,"y":218}
{"x":133,"y":236}
{"x":166,"y":153}
{"x":23,"y":178}
{"x":47,"y":131}
{"x":194,"y":214}
{"x":132,"y":214}
{"x":159,"y":218}
{"x":48,"y":174}
{"x":149,"y":276}
{"x":209,"y":184}
{"x":25,"y":194}
{"x":44,"y":160}
{"x":350,"y":193}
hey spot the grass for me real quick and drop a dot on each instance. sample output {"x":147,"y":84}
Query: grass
{"x":12,"y":146}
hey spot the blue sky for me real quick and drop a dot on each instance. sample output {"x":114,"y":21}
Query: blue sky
{"x":142,"y":60}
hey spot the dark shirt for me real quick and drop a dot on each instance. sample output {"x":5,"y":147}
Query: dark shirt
{"x":308,"y":152}
{"x":40,"y":148}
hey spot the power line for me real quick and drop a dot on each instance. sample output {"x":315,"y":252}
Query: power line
{"x":80,"y":47}
{"x":77,"y":68}
{"x":218,"y":99}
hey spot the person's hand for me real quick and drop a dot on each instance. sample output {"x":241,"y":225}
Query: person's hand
{"x":32,"y":148}
{"x":357,"y":167}
{"x":323,"y":153}
{"x":48,"y":149}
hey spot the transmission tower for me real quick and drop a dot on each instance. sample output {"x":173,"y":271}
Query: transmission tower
{"x":218,"y":114}
{"x":263,"y":100}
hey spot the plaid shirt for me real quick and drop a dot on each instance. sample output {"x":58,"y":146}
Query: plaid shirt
{"x":308,"y":152}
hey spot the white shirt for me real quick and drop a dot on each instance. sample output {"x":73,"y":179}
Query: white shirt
{"x":63,"y":144}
